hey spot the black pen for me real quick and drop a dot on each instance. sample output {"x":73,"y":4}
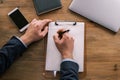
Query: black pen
{"x":62,"y":32}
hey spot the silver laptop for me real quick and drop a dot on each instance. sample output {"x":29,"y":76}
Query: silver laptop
{"x":103,"y":12}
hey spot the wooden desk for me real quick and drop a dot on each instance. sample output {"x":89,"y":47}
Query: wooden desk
{"x":102,"y":47}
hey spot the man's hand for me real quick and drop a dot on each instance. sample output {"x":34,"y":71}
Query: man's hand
{"x":65,"y":45}
{"x":36,"y":31}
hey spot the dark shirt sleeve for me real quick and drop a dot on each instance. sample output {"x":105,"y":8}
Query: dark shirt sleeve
{"x":69,"y":70}
{"x":9,"y":52}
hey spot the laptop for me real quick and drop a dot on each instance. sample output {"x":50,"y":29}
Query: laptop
{"x":103,"y":12}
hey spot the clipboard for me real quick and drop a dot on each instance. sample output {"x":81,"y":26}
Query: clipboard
{"x":53,"y":56}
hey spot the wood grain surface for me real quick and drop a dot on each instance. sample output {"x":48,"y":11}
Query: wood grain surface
{"x":102,"y":46}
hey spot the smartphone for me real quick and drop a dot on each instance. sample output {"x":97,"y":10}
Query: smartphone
{"x":19,"y":20}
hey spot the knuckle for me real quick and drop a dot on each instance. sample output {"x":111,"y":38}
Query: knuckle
{"x":40,"y":24}
{"x":32,"y":23}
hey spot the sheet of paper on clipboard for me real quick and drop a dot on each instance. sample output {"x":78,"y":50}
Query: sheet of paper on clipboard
{"x":53,"y":57}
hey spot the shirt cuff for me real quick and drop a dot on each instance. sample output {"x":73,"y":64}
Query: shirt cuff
{"x":21,"y":41}
{"x":69,"y":59}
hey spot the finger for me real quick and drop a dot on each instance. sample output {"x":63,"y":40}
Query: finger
{"x":34,"y":20}
{"x":35,"y":24}
{"x":44,"y":32}
{"x":56,"y":38}
{"x":44,"y":22}
{"x":71,"y":38}
{"x":67,"y":36}
{"x":39,"y":20}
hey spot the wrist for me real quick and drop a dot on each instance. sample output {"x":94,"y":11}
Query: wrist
{"x":67,"y":55}
{"x":26,"y":40}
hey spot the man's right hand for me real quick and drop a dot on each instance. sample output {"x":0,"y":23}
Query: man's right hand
{"x":65,"y":45}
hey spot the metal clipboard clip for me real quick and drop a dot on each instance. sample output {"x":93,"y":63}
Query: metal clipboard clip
{"x":57,"y":22}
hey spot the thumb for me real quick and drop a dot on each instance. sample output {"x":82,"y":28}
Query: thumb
{"x":44,"y":32}
{"x":56,"y":38}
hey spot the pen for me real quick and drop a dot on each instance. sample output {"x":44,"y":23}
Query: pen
{"x":62,"y":32}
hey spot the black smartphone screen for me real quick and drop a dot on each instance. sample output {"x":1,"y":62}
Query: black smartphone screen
{"x":18,"y":19}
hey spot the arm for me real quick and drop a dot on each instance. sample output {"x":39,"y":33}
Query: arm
{"x":15,"y":47}
{"x":69,"y":68}
{"x":9,"y":52}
